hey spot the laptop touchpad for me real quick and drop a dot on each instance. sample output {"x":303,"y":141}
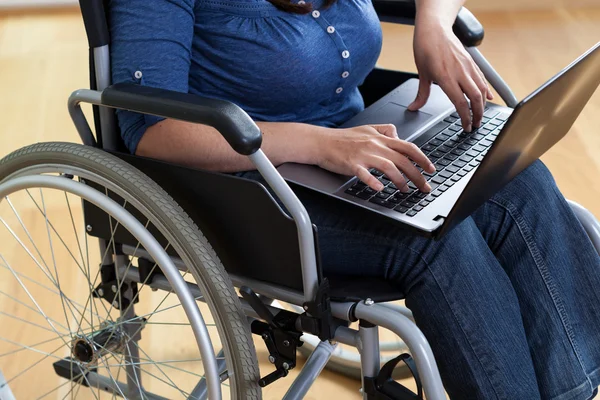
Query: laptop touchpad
{"x":406,"y":122}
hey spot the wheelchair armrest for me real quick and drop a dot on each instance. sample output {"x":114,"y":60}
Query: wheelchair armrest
{"x":466,"y":27}
{"x":240,"y":131}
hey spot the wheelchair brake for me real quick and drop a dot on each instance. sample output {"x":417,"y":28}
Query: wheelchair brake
{"x":281,"y":332}
{"x":384,"y":387}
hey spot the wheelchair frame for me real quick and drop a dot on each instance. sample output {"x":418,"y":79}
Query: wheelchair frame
{"x":245,"y":137}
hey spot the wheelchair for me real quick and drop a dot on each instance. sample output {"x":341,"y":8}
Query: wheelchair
{"x":109,"y":324}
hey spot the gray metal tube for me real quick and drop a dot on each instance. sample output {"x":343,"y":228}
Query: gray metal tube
{"x":107,"y":115}
{"x":200,"y":392}
{"x":95,"y":380}
{"x":370,"y":361}
{"x":346,"y":336}
{"x":295,"y":207}
{"x":150,"y":244}
{"x":589,"y":222}
{"x":414,"y":339}
{"x":493,"y":77}
{"x":313,"y":367}
{"x":81,"y":124}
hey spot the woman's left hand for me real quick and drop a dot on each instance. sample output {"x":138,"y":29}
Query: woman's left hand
{"x":441,"y":58}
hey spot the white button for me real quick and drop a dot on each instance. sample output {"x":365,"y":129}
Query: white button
{"x":302,"y":2}
{"x":138,"y":74}
{"x":330,"y":29}
{"x":345,"y":54}
{"x":316,"y":14}
{"x":339,"y":90}
{"x":345,"y":74}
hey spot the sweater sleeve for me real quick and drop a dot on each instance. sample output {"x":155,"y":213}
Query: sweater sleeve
{"x":151,"y":45}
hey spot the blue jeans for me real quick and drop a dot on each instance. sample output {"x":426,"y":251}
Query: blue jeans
{"x":509,"y":299}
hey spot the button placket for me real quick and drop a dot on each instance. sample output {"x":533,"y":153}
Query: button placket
{"x":344,"y":53}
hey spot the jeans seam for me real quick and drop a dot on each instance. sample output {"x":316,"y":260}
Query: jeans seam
{"x":422,"y":259}
{"x":525,"y":231}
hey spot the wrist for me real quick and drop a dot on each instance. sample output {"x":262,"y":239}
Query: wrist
{"x":314,"y":145}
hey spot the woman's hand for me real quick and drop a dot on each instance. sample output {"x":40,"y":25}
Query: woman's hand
{"x":441,"y":58}
{"x":354,"y":151}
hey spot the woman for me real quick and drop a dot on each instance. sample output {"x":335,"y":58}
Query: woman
{"x":507,"y":299}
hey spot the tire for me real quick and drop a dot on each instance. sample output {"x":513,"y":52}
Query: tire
{"x":191,"y":245}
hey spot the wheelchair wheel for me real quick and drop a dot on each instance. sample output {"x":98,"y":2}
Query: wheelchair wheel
{"x":81,"y":323}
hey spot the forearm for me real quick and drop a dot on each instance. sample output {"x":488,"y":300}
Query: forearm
{"x":203,"y":147}
{"x":442,"y":12}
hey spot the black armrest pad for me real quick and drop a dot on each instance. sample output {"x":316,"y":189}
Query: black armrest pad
{"x":466,"y":27}
{"x":240,"y":131}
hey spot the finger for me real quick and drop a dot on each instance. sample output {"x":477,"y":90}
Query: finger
{"x":414,"y":152}
{"x":410,"y":170}
{"x":391,"y":171}
{"x":364,"y":175}
{"x":422,"y":95}
{"x":474,"y":94}
{"x":488,"y":92}
{"x":388,"y":130}
{"x":456,"y":96}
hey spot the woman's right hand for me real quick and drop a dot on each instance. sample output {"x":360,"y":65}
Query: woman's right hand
{"x":353,"y":151}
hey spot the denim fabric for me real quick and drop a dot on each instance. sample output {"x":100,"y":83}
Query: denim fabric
{"x":508,"y":299}
{"x":277,"y":66}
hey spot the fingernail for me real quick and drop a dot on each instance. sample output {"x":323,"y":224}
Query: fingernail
{"x":428,"y":187}
{"x":405,"y":189}
{"x":469,"y":128}
{"x":380,"y":187}
{"x":431,"y":167}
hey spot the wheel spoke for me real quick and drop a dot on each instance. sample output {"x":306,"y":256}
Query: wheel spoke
{"x":30,"y":296}
{"x":46,"y":355}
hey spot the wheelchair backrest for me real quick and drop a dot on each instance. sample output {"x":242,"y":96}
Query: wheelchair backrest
{"x":252,"y":235}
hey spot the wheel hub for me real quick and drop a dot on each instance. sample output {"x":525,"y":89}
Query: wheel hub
{"x":87,"y":349}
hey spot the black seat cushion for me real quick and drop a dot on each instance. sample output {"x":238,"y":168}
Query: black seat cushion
{"x":356,"y":288}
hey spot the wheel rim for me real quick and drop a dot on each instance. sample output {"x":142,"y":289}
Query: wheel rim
{"x":85,"y":330}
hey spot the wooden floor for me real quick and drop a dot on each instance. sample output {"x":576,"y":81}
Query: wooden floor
{"x":43,"y":57}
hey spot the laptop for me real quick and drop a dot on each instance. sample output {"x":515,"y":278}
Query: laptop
{"x":470,"y":166}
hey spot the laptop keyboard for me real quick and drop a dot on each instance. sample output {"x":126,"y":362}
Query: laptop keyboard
{"x":454,"y":153}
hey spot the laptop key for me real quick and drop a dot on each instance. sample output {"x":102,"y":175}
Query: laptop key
{"x":486,"y":143}
{"x":452,"y":168}
{"x":444,"y":149}
{"x":464,"y":147}
{"x":390,"y":190}
{"x":395,"y":199}
{"x":457,"y":152}
{"x":437,"y":154}
{"x":401,"y":209}
{"x":428,"y":147}
{"x":387,"y":204}
{"x":430,"y":198}
{"x":407,"y":204}
{"x":438,"y":179}
{"x":472,"y":153}
{"x":443,"y":136}
{"x":452,"y":142}
{"x":353,"y":191}
{"x":446,"y":174}
{"x":436,"y":193}
{"x":479,"y":148}
{"x":449,"y":183}
{"x":471,"y":142}
{"x":435,"y":142}
{"x":456,"y":178}
{"x":444,"y":162}
{"x":443,"y":188}
{"x":417,"y":208}
{"x":466,"y":158}
{"x":459,"y":164}
{"x":382,"y":195}
{"x":455,"y":128}
{"x":364,"y":195}
{"x":424,"y":203}
{"x":450,"y":157}
{"x":377,"y":200}
{"x":469,"y":168}
{"x":411,"y":213}
{"x":462,"y":173}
